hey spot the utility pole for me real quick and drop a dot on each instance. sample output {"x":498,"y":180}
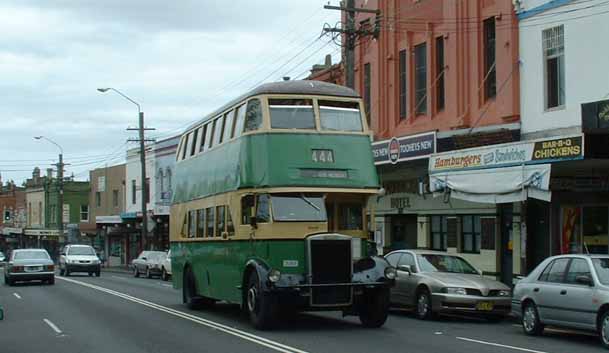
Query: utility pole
{"x":352,"y":34}
{"x":142,"y":140}
{"x":60,"y":167}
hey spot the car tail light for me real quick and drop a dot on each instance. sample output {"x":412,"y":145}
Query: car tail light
{"x":49,"y":267}
{"x":17,"y":269}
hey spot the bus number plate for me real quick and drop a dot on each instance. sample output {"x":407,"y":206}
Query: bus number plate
{"x":290,"y":263}
{"x":322,"y":156}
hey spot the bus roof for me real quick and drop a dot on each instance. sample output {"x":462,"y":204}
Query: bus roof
{"x":302,"y":87}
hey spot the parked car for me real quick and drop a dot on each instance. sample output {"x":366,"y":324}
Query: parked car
{"x":436,"y":283}
{"x":2,"y":257}
{"x":29,"y":265}
{"x":79,"y":258}
{"x":567,"y":291}
{"x":149,"y":263}
{"x":166,"y":267}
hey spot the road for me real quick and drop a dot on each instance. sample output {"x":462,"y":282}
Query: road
{"x":118,"y":313}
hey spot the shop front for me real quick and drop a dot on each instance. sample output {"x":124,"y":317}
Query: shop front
{"x":520,"y":179}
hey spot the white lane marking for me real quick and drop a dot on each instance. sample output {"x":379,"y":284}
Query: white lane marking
{"x":166,"y":285}
{"x":119,"y":277}
{"x":17,"y":295}
{"x":500,"y":345}
{"x":53,"y":326}
{"x":205,"y":322}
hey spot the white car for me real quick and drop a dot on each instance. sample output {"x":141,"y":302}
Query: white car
{"x":2,"y":257}
{"x":79,"y":258}
{"x":166,"y":267}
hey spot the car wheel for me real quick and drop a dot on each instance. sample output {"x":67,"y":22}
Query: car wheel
{"x":8,"y":281}
{"x":604,"y":329}
{"x":261,"y":306}
{"x":148,"y":274}
{"x":90,"y":274}
{"x":530,"y":320}
{"x":164,"y":276}
{"x":375,"y":308}
{"x":51,"y":281}
{"x":136,"y":272}
{"x":424,"y":309}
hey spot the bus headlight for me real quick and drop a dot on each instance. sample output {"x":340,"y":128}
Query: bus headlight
{"x":274,"y":275}
{"x":390,"y":272}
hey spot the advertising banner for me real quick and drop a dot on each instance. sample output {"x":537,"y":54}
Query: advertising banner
{"x":400,"y":149}
{"x":510,"y":154}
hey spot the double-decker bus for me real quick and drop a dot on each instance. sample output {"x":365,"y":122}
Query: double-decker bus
{"x":269,"y":209}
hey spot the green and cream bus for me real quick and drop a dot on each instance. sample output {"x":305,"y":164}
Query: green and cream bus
{"x":269,"y":209}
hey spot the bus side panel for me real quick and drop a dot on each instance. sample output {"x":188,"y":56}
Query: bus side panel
{"x":287,"y":256}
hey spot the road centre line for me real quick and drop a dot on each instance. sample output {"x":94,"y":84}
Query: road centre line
{"x":205,"y":322}
{"x":17,"y":295}
{"x":499,"y":345}
{"x":53,"y":326}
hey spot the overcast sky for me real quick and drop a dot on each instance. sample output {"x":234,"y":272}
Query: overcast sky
{"x":178,"y":59}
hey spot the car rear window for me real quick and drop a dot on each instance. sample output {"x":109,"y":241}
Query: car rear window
{"x":31,"y":255}
{"x":81,"y":250}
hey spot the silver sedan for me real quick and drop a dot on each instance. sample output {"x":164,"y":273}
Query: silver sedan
{"x":567,"y":291}
{"x":437,"y":282}
{"x":29,"y":265}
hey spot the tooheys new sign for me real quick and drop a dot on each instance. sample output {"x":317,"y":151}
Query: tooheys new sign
{"x":400,"y":149}
{"x":511,"y":154}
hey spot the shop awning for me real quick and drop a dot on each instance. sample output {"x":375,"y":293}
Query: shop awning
{"x":495,"y":185}
{"x":502,"y":173}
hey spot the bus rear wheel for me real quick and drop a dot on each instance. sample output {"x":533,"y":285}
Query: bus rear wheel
{"x":374,"y":308}
{"x":261,"y":306}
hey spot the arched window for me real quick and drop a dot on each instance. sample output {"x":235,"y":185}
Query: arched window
{"x":168,"y":175}
{"x":161,"y":180}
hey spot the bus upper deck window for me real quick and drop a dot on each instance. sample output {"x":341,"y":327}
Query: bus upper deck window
{"x":292,"y":114}
{"x":253,"y":116}
{"x":340,"y":116}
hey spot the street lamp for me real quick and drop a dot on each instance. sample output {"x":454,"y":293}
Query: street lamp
{"x":60,"y":166}
{"x":141,"y":130}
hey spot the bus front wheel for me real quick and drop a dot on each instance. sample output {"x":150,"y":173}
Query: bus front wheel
{"x":374,"y":308}
{"x":260,"y":306}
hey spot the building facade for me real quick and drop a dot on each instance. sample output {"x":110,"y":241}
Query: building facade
{"x":13,"y":211}
{"x":564,"y":97}
{"x":441,"y":76}
{"x":160,"y":164}
{"x":107,"y":200}
{"x":42,"y":204}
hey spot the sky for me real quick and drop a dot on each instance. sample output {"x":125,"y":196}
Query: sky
{"x":178,"y":59}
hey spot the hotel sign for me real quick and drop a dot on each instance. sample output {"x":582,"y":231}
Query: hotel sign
{"x":400,"y":149}
{"x":510,"y":154}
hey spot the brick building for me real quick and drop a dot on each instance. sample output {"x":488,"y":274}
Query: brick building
{"x":443,"y":75}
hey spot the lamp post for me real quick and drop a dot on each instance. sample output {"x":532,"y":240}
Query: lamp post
{"x":60,"y":166}
{"x":141,"y":130}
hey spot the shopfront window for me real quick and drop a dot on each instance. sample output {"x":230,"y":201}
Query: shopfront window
{"x":584,"y":229}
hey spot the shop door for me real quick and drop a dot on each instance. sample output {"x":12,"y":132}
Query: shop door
{"x":538,"y":233}
{"x":404,"y":232}
{"x":506,"y":244}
